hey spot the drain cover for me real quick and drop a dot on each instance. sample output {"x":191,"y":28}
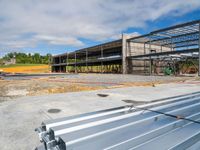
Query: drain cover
{"x":103,"y":95}
{"x":54,"y":110}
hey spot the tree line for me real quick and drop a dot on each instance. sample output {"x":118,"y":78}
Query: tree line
{"x":23,"y":58}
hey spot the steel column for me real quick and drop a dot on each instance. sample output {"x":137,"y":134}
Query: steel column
{"x":101,"y":59}
{"x":86,"y":60}
{"x":75,"y":63}
{"x":67,"y":64}
{"x":199,"y":50}
{"x":124,"y":54}
{"x":150,"y":63}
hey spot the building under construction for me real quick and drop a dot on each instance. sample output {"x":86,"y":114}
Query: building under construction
{"x":172,"y":50}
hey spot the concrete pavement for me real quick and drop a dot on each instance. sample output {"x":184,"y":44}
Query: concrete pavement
{"x":19,"y":117}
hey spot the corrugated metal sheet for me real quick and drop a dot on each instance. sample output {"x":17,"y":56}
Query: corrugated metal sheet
{"x":169,"y":124}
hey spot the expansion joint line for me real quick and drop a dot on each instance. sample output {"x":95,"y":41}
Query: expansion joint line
{"x":166,"y":114}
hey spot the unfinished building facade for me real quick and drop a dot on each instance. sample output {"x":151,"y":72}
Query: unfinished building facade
{"x":152,"y":53}
{"x":106,"y":57}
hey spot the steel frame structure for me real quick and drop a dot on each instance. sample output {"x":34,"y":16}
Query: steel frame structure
{"x":182,"y":38}
{"x":101,"y":55}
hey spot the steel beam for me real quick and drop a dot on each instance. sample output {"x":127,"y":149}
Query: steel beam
{"x":179,"y":42}
{"x":165,"y":29}
{"x":75,"y":63}
{"x":165,"y":53}
{"x":174,"y":37}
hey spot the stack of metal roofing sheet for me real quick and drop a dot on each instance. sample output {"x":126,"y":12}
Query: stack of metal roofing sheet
{"x":170,"y":124}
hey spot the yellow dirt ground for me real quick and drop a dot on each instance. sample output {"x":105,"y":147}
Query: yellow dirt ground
{"x":28,"y":69}
{"x":34,"y":87}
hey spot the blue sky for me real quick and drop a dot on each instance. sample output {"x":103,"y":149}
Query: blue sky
{"x":55,"y":27}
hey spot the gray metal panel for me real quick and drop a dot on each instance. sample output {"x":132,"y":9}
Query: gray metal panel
{"x":169,"y":124}
{"x":84,"y":115}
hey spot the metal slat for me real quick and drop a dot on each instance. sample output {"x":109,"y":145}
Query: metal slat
{"x":124,"y":130}
{"x":128,"y":127}
{"x":87,"y":132}
{"x":155,"y":133}
{"x":67,"y":128}
{"x":173,"y":139}
{"x":53,"y":123}
{"x":68,"y":120}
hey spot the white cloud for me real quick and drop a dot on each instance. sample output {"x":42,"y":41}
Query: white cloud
{"x":59,"y":40}
{"x":64,"y":22}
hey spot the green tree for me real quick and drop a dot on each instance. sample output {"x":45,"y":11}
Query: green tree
{"x":28,"y":58}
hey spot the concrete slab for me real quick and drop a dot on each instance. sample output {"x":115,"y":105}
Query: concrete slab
{"x":21,"y":116}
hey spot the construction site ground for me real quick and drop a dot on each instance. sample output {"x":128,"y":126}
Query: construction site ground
{"x":13,"y":86}
{"x":26,"y":101}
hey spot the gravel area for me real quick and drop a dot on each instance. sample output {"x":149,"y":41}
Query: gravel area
{"x":120,"y":78}
{"x":27,"y":85}
{"x":116,"y":78}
